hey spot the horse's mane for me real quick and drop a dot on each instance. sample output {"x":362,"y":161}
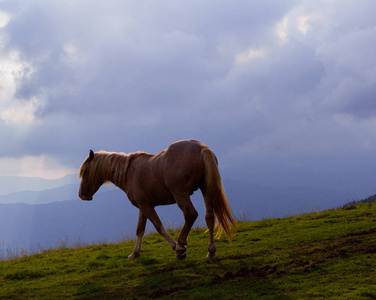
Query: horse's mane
{"x":109,"y":166}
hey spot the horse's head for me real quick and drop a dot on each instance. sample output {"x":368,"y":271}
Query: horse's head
{"x":90,"y":181}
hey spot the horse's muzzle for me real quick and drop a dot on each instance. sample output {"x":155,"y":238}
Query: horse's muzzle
{"x":86,"y":198}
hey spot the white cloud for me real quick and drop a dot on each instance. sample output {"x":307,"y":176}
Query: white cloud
{"x":4,"y":19}
{"x":313,"y":21}
{"x":43,"y":166}
{"x":11,"y":69}
{"x":22,"y":114}
{"x":15,"y":112}
{"x":281,"y":30}
{"x":303,"y":24}
{"x":71,"y":54}
{"x":249,"y":55}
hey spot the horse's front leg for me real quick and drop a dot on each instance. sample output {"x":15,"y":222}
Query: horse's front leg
{"x":150,"y":213}
{"x":190,"y":216}
{"x":140,"y":233}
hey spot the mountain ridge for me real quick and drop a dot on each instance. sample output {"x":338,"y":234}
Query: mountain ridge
{"x":60,"y":213}
{"x":13,"y":184}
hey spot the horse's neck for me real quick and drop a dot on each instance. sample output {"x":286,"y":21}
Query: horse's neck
{"x":116,"y":170}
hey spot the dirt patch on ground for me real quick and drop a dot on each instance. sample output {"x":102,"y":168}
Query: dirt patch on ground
{"x":303,"y":259}
{"x":359,"y":233}
{"x":240,"y":256}
{"x":253,"y":273}
{"x":354,"y":242}
{"x":159,"y":292}
{"x":350,"y":207}
{"x":306,"y":257}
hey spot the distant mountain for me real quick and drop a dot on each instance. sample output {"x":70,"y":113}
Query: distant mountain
{"x":109,"y":217}
{"x":46,"y":225}
{"x":12,"y":184}
{"x":47,"y":217}
{"x":259,"y":202}
{"x":256,"y":200}
{"x":370,"y":199}
{"x":66,"y":192}
{"x":62,"y":193}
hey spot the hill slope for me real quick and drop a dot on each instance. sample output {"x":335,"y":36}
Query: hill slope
{"x":330,"y":254}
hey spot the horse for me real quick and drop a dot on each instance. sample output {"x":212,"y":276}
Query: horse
{"x":168,"y":177}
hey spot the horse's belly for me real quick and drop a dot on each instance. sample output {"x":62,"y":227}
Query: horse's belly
{"x":165,"y":202}
{"x":163,"y":198}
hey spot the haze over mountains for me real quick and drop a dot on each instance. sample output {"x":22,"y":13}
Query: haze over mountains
{"x":12,"y":184}
{"x":50,"y":212}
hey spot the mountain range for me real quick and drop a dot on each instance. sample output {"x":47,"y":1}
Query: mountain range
{"x":12,"y":184}
{"x":50,"y":212}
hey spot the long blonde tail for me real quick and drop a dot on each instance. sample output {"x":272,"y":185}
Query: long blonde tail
{"x":215,"y":193}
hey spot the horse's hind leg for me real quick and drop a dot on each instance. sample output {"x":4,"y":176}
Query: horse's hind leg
{"x":190,"y":216}
{"x":210,"y":221}
{"x":150,"y":213}
{"x":140,"y":233}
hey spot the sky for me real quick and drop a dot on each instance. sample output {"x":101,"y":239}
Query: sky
{"x":284,"y":92}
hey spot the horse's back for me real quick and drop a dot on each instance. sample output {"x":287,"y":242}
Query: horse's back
{"x":183,"y":168}
{"x":186,"y":149}
{"x":177,"y":170}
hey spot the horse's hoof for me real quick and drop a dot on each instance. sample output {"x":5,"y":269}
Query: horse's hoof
{"x":134,"y":255}
{"x":180,"y":251}
{"x":211,"y":255}
{"x":181,"y":255}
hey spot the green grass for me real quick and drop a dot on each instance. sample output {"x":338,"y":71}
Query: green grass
{"x":326,"y":255}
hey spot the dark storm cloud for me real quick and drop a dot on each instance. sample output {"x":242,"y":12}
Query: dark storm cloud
{"x":151,"y":45}
{"x":288,"y":82}
{"x":350,"y":77}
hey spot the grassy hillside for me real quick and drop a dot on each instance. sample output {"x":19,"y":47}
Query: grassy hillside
{"x":329,"y":255}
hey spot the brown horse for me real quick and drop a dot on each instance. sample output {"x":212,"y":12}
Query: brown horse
{"x":168,"y":177}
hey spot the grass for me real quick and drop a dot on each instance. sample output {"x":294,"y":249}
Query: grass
{"x":327,"y":255}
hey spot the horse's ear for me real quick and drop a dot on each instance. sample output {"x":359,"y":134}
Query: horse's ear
{"x":91,"y":155}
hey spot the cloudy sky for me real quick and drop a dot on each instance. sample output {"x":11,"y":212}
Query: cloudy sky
{"x":284,"y":92}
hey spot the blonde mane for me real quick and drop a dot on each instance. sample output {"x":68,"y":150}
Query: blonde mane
{"x":108,"y":166}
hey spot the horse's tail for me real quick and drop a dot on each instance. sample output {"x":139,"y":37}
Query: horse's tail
{"x":215,"y":193}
